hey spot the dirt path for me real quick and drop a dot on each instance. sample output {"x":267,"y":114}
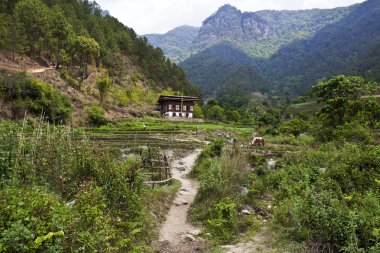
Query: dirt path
{"x":177,"y":234}
{"x":39,"y":70}
{"x":258,"y":243}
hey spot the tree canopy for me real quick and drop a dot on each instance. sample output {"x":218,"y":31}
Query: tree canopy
{"x":78,"y":33}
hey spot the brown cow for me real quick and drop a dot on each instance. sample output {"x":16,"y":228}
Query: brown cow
{"x":258,"y":141}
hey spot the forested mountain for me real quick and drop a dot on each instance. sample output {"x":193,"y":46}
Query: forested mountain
{"x":350,"y":46}
{"x":88,"y":48}
{"x":76,"y":31}
{"x":176,"y":42}
{"x":291,"y":50}
{"x":225,"y":72}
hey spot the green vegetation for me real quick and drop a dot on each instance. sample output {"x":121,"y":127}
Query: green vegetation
{"x":27,"y":95}
{"x":96,"y":116}
{"x":175,"y":42}
{"x":328,"y":197}
{"x":75,"y":34}
{"x":222,"y":172}
{"x":224,"y":71}
{"x":323,"y":191}
{"x":61,"y":194}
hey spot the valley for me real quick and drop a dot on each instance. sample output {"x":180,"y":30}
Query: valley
{"x":255,"y":132}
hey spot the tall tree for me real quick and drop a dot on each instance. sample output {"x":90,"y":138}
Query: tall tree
{"x":344,"y":98}
{"x":12,"y":38}
{"x":86,"y":50}
{"x":34,"y":16}
{"x":61,"y":31}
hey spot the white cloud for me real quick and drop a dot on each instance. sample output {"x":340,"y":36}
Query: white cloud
{"x":159,"y":16}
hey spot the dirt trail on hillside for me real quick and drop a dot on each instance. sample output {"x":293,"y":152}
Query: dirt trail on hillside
{"x":38,"y":70}
{"x":177,"y":234}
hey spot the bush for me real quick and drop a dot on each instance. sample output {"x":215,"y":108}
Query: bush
{"x":28,"y":214}
{"x":224,"y":224}
{"x":221,"y":176}
{"x":353,"y":132}
{"x":59,"y":193}
{"x":329,"y":197}
{"x":26,"y":94}
{"x":294,"y":126}
{"x":71,"y":81}
{"x":96,"y":116}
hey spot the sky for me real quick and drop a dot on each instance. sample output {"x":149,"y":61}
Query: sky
{"x":160,"y":16}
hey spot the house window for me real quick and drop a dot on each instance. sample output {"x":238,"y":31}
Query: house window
{"x":170,"y":107}
{"x":177,"y":107}
{"x":180,"y":114}
{"x":174,"y":114}
{"x":187,"y":115}
{"x":184,"y":107}
{"x":191,"y":108}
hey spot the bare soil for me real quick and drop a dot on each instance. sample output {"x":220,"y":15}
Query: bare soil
{"x":176,"y":233}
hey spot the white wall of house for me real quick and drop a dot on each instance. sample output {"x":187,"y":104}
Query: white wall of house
{"x":171,"y":114}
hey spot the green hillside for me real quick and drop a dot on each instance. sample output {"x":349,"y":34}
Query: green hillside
{"x":175,"y":43}
{"x":93,"y":54}
{"x":289,"y":50}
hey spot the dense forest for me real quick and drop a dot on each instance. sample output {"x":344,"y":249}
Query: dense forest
{"x":228,"y":73}
{"x":77,"y":33}
{"x":175,"y":43}
{"x":289,"y":50}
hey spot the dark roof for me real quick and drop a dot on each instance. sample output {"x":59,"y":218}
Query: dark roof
{"x":164,"y":98}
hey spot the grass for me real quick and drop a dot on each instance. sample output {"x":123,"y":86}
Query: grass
{"x":309,"y":107}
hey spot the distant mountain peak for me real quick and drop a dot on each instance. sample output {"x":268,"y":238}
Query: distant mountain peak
{"x":228,"y":7}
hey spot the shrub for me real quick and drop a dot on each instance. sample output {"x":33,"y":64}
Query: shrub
{"x":26,"y":94}
{"x":96,"y":116}
{"x":28,"y":214}
{"x":294,"y":126}
{"x":56,"y":182}
{"x":224,"y":224}
{"x":353,"y":132}
{"x":330,"y":197}
{"x":71,"y":81}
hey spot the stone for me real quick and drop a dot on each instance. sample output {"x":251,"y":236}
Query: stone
{"x":177,"y":203}
{"x":189,"y":238}
{"x":195,"y":232}
{"x":271,"y":164}
{"x":244,"y":191}
{"x":181,"y":169}
{"x":183,"y":193}
{"x":246,"y":212}
{"x":184,"y":202}
{"x":270,"y":207}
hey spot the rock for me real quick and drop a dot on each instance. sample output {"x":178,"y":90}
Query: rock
{"x":184,"y":190}
{"x":269,"y":206}
{"x":265,"y":221}
{"x":246,"y":212}
{"x":244,"y":191}
{"x":195,"y":232}
{"x":183,"y":193}
{"x":70,"y":204}
{"x":271,"y":164}
{"x":189,"y":238}
{"x":184,"y":202}
{"x":177,"y":203}
{"x":181,"y":169}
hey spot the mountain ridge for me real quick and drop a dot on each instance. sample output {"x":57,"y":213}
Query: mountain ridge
{"x":281,"y":43}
